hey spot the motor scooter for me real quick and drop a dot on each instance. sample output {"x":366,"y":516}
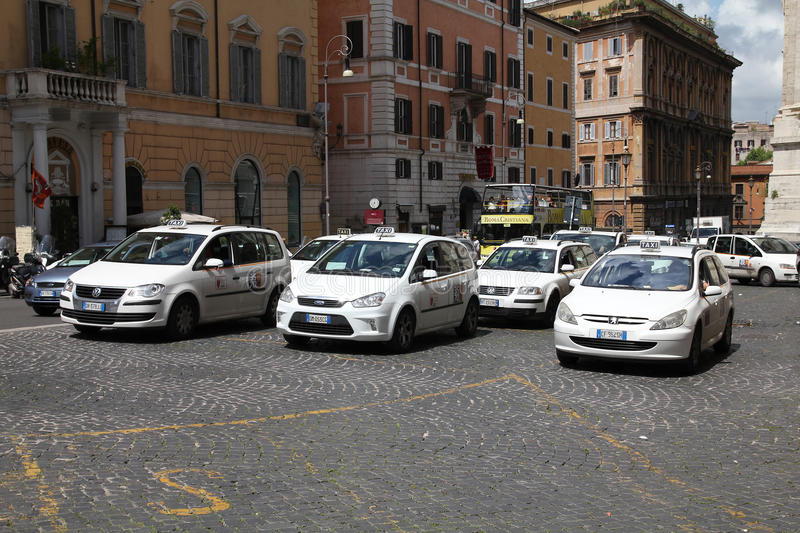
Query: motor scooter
{"x":35,"y":263}
{"x":8,"y":258}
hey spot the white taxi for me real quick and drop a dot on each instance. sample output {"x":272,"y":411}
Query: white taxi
{"x":600,"y":241}
{"x":177,"y":276}
{"x":746,"y":257}
{"x":313,"y":250}
{"x":652,"y":303}
{"x":383,"y":286}
{"x":528,"y":277}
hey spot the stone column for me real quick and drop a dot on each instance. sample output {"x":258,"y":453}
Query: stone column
{"x":120,"y":204}
{"x":41,"y":217}
{"x":19,"y":161}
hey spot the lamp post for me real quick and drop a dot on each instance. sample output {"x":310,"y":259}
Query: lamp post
{"x":613,"y":187}
{"x":626,"y":160}
{"x":750,"y":184}
{"x":698,"y":176}
{"x":343,"y":51}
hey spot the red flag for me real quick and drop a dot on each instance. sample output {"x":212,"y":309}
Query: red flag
{"x":484,"y":162}
{"x":41,"y":189}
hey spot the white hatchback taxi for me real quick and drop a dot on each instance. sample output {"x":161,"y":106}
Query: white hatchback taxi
{"x":384,"y":286}
{"x":528,"y":277}
{"x":177,"y":276}
{"x":313,"y":250}
{"x":651,"y":303}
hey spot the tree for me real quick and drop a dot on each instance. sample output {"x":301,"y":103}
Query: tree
{"x":756,"y":155}
{"x":172,"y":213}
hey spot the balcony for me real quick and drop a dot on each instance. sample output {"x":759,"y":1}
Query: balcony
{"x":40,"y":84}
{"x":468,"y":91}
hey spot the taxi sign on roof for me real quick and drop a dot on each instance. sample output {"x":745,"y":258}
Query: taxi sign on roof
{"x":585,"y":229}
{"x":650,"y":246}
{"x":650,"y":232}
{"x":343,"y":231}
{"x":384,"y":230}
{"x":176,"y":223}
{"x":529,"y":239}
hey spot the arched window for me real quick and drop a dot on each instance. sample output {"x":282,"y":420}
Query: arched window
{"x":193,"y":190}
{"x":293,"y":203}
{"x":247,"y":187}
{"x":614,"y":220}
{"x":133,"y":190}
{"x":291,"y":69}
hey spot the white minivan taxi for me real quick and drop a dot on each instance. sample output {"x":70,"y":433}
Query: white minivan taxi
{"x":747,"y":257}
{"x":650,"y":303}
{"x":528,"y":277}
{"x":383,"y":286}
{"x":177,"y":276}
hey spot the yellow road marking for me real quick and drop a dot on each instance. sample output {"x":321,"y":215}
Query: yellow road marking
{"x":217,"y":504}
{"x":49,"y":505}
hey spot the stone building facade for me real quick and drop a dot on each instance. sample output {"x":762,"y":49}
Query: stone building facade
{"x":652,"y":80}
{"x":748,"y":136}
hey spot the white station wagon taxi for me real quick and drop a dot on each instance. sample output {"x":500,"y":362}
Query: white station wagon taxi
{"x":653,"y":303}
{"x":384,"y":286}
{"x":177,"y":276}
{"x":528,"y":277}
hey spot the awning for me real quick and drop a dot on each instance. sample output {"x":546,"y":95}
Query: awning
{"x":468,"y":195}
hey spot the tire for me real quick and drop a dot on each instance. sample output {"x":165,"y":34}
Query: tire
{"x":551,"y":309}
{"x":566,"y":359}
{"x":469,"y":324}
{"x":403,"y":335}
{"x":44,"y":310}
{"x":766,"y":277}
{"x":692,"y":362}
{"x":86,"y":330}
{"x":296,"y":340}
{"x":723,"y":346}
{"x":270,"y":316}
{"x":182,"y":319}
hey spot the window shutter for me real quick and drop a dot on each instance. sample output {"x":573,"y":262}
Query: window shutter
{"x":107,"y":27}
{"x":608,"y":130}
{"x":439,"y":51}
{"x":619,"y":129}
{"x":141,"y":55}
{"x":431,"y":120}
{"x":177,"y":62}
{"x":284,"y":88}
{"x":407,"y":167}
{"x":408,"y":117}
{"x":397,"y":126}
{"x":431,"y":51}
{"x":468,"y":64}
{"x":396,"y":40}
{"x":300,"y":83}
{"x":70,"y":35}
{"x":34,"y":34}
{"x":580,"y":133}
{"x":408,"y":42}
{"x":257,"y":76}
{"x":235,"y":59}
{"x":204,"y":81}
{"x":592,"y":131}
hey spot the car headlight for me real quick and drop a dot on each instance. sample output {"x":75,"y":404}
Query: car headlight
{"x":529,"y":291}
{"x":370,"y":300}
{"x":69,"y":285}
{"x":148,"y":291}
{"x":672,"y":320}
{"x":786,"y":266}
{"x":565,"y":314}
{"x":287,"y":295}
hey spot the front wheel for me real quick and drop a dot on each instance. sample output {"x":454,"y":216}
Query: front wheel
{"x":469,"y":324}
{"x":403,"y":335}
{"x":44,"y":310}
{"x":692,"y":363}
{"x":723,"y":346}
{"x":766,"y":277}
{"x":182,"y":319}
{"x":551,"y":309}
{"x":270,"y":316}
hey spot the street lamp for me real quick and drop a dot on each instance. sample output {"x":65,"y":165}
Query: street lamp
{"x":626,"y":160}
{"x":698,"y":176}
{"x":343,"y":51}
{"x":750,"y":184}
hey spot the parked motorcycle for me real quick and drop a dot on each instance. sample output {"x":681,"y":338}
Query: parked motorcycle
{"x":8,"y":258}
{"x":35,"y":263}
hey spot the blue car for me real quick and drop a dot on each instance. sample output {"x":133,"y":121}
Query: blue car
{"x":42,"y":292}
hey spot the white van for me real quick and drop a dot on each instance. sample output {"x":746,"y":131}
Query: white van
{"x":746,"y":257}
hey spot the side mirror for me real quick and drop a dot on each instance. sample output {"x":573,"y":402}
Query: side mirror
{"x":713,"y":290}
{"x":567,"y":268}
{"x":429,"y":274}
{"x":479,"y":262}
{"x":213,"y":263}
{"x":574,"y":282}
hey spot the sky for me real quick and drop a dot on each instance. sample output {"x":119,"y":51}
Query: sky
{"x":751,"y":31}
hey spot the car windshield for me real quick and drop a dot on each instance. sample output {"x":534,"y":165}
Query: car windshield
{"x":156,"y":248}
{"x":85,"y":256}
{"x":705,"y":232}
{"x":641,"y":272}
{"x":771,"y":245}
{"x":599,"y":243}
{"x":312,"y":250}
{"x":523,"y":259}
{"x":366,"y":258}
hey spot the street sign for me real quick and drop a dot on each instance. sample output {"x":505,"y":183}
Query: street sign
{"x":572,"y":210}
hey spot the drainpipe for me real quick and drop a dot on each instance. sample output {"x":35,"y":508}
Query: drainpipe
{"x":419,"y":89}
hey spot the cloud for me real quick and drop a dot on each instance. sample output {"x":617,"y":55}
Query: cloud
{"x":751,"y":31}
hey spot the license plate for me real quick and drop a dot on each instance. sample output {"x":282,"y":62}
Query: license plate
{"x":612,"y":334}
{"x":47,"y":293}
{"x":94,"y":306}
{"x":318,"y":319}
{"x":489,"y":302}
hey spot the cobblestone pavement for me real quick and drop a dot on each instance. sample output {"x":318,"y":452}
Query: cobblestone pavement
{"x":235,"y":431}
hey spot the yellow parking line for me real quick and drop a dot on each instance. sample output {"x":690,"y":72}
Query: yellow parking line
{"x":49,"y":505}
